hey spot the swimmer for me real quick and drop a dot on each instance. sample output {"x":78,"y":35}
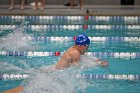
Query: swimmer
{"x":70,"y":57}
{"x":73,"y":54}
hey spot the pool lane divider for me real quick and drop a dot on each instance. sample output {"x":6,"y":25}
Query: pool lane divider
{"x":72,"y":38}
{"x":79,"y":76}
{"x":13,"y":76}
{"x":57,"y":53}
{"x":127,"y":19}
{"x":73,"y":27}
{"x":93,"y":39}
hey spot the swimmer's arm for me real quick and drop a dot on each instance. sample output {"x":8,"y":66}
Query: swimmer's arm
{"x":76,"y":60}
{"x":67,"y":61}
{"x":94,"y":61}
{"x":60,"y":65}
{"x":63,"y":63}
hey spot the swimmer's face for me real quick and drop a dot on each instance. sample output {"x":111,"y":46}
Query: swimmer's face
{"x":84,"y":49}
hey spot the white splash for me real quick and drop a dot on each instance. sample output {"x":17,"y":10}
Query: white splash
{"x":88,"y":61}
{"x":62,"y":81}
{"x":7,"y":67}
{"x":17,"y":40}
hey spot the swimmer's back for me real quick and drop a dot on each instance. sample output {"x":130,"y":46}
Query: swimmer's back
{"x":69,"y":57}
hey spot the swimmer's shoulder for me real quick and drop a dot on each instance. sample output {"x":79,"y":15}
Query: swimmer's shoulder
{"x":74,"y":52}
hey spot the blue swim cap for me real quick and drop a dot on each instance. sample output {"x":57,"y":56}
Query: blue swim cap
{"x":82,"y":40}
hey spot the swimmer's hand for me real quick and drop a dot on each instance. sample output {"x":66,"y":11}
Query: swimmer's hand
{"x":102,"y":63}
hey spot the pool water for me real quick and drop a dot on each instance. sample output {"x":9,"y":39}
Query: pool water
{"x":34,"y":36}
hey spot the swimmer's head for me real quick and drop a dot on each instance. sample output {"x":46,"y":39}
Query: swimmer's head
{"x":82,"y":40}
{"x":82,"y":43}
